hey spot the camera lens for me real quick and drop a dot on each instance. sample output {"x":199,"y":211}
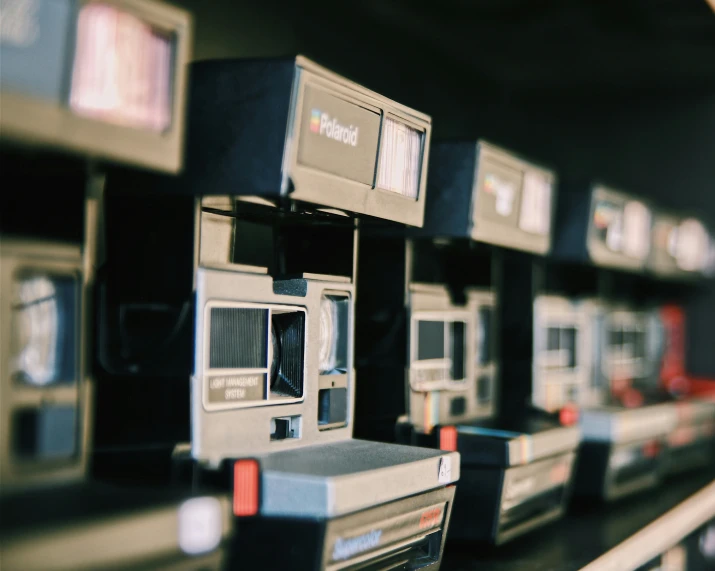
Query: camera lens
{"x":328,"y":332}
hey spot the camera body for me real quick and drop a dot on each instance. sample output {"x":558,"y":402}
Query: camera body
{"x":291,"y":129}
{"x":291,"y":384}
{"x":44,"y":389}
{"x":690,"y":445}
{"x":227,"y":316}
{"x":560,"y":364}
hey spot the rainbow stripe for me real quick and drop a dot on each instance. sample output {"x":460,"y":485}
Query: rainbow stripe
{"x":315,"y":121}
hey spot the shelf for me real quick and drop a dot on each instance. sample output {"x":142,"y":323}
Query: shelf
{"x":619,"y":536}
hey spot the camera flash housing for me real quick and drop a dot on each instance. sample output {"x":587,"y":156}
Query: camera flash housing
{"x":82,"y":100}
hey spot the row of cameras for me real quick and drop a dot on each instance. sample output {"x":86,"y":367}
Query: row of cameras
{"x":265,"y":356}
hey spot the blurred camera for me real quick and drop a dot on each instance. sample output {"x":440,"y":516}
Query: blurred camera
{"x":451,"y":369}
{"x":560,"y":371}
{"x":227,"y":307}
{"x":44,"y":392}
{"x":482,"y":192}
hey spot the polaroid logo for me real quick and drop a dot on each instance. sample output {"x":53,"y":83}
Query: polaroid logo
{"x":322,"y":124}
{"x":347,"y":548}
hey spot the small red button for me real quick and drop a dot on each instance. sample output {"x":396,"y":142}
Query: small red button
{"x":448,"y":438}
{"x":245,"y":487}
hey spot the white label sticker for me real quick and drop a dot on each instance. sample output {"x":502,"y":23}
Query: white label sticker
{"x":199,"y":525}
{"x":535,"y":215}
{"x":445,"y":470}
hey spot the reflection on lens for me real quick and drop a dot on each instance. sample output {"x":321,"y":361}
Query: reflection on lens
{"x":39,"y":311}
{"x":328,"y":334}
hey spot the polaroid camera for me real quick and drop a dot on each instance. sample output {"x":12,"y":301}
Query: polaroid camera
{"x":625,"y":418}
{"x":55,"y":118}
{"x":228,"y":308}
{"x":690,"y":444}
{"x":430,"y":313}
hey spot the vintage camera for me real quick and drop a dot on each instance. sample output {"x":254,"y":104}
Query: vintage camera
{"x":430,"y":309}
{"x":228,"y":308}
{"x":64,"y":112}
{"x":608,"y":228}
{"x":291,"y":129}
{"x":489,"y":195}
{"x":91,"y":96}
{"x":690,"y":445}
{"x":625,"y":419}
{"x":451,"y":370}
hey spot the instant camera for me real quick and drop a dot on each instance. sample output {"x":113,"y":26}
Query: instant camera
{"x":228,"y":314}
{"x":53,"y":118}
{"x":625,"y":418}
{"x":430,"y":314}
{"x":690,"y":445}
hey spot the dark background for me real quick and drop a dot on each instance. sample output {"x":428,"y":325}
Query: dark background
{"x":618,"y":90}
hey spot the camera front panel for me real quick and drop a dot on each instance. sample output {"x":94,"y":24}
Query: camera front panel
{"x":273,"y":371}
{"x":560,"y":363}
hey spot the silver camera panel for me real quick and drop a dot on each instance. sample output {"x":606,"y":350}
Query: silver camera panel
{"x":41,"y":114}
{"x":44,"y":384}
{"x":513,"y":201}
{"x":619,"y":229}
{"x":439,"y":390}
{"x":560,"y":366}
{"x":315,"y":86}
{"x":244,"y":423}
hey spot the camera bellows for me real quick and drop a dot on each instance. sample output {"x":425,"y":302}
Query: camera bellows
{"x":288,"y":347}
